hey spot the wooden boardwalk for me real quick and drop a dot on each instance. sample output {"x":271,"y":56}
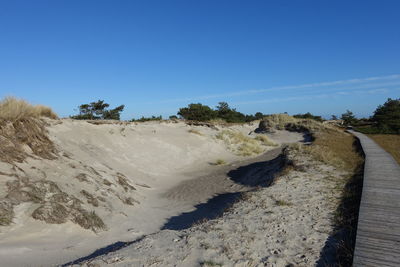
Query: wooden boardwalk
{"x":378,"y":233}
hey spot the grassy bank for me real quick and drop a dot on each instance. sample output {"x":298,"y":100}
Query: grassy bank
{"x":389,"y":142}
{"x":342,"y":150}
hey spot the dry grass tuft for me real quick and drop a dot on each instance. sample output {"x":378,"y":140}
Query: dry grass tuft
{"x":389,"y":142}
{"x":89,"y":220}
{"x":44,"y":111}
{"x":21,"y":138}
{"x":13,"y":109}
{"x":6,"y":212}
{"x":240,"y":144}
{"x":193,"y":131}
{"x":280,"y":202}
{"x":265,"y":140}
{"x":219,"y":162}
{"x":21,"y":132}
{"x":123,"y":181}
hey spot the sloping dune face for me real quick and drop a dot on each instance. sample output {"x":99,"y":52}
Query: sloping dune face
{"x":97,"y":184}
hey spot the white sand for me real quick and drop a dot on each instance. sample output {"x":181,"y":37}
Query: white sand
{"x":154,"y":157}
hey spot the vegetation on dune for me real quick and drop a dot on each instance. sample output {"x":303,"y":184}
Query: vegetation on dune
{"x":348,"y":118}
{"x":333,"y":147}
{"x":228,"y":114}
{"x":222,"y":113}
{"x":308,"y":115}
{"x":197,"y":112}
{"x":243,"y":145}
{"x":21,"y":137}
{"x":273,"y":122}
{"x":387,"y":116}
{"x":386,"y":119}
{"x":193,"y":131}
{"x":98,"y":111}
{"x":265,"y":140}
{"x":21,"y":131}
{"x":13,"y":109}
{"x":152,"y":118}
{"x":219,"y":162}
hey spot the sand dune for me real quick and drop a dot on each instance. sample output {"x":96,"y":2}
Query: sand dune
{"x":111,"y":182}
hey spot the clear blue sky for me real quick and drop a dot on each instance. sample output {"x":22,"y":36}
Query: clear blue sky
{"x":157,"y":56}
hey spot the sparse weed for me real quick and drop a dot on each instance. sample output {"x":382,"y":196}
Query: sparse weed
{"x":193,"y":131}
{"x":210,"y":263}
{"x":280,"y":202}
{"x":219,"y":162}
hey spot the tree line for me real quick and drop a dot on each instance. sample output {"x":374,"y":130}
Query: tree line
{"x":386,"y":117}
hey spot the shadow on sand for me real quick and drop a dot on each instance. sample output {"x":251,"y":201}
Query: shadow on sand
{"x":205,"y":211}
{"x":258,"y":174}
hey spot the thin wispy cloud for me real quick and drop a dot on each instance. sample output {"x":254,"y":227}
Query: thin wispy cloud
{"x":313,"y":96}
{"x":340,"y":86}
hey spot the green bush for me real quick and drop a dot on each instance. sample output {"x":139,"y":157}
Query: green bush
{"x":152,"y":118}
{"x":368,"y":130}
{"x":223,"y":111}
{"x":228,"y":114}
{"x":348,"y":118}
{"x":197,"y":112}
{"x":98,"y":111}
{"x":308,"y":115}
{"x":387,"y":116}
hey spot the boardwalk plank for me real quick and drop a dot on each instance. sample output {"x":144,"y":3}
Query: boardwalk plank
{"x":378,"y":233}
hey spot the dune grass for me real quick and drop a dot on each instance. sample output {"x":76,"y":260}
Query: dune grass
{"x":290,"y":123}
{"x":265,"y":140}
{"x":342,"y":146}
{"x":279,"y":121}
{"x":240,"y":144}
{"x":389,"y":142}
{"x":20,"y":129}
{"x":13,"y":109}
{"x":335,"y":148}
{"x":193,"y":131}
